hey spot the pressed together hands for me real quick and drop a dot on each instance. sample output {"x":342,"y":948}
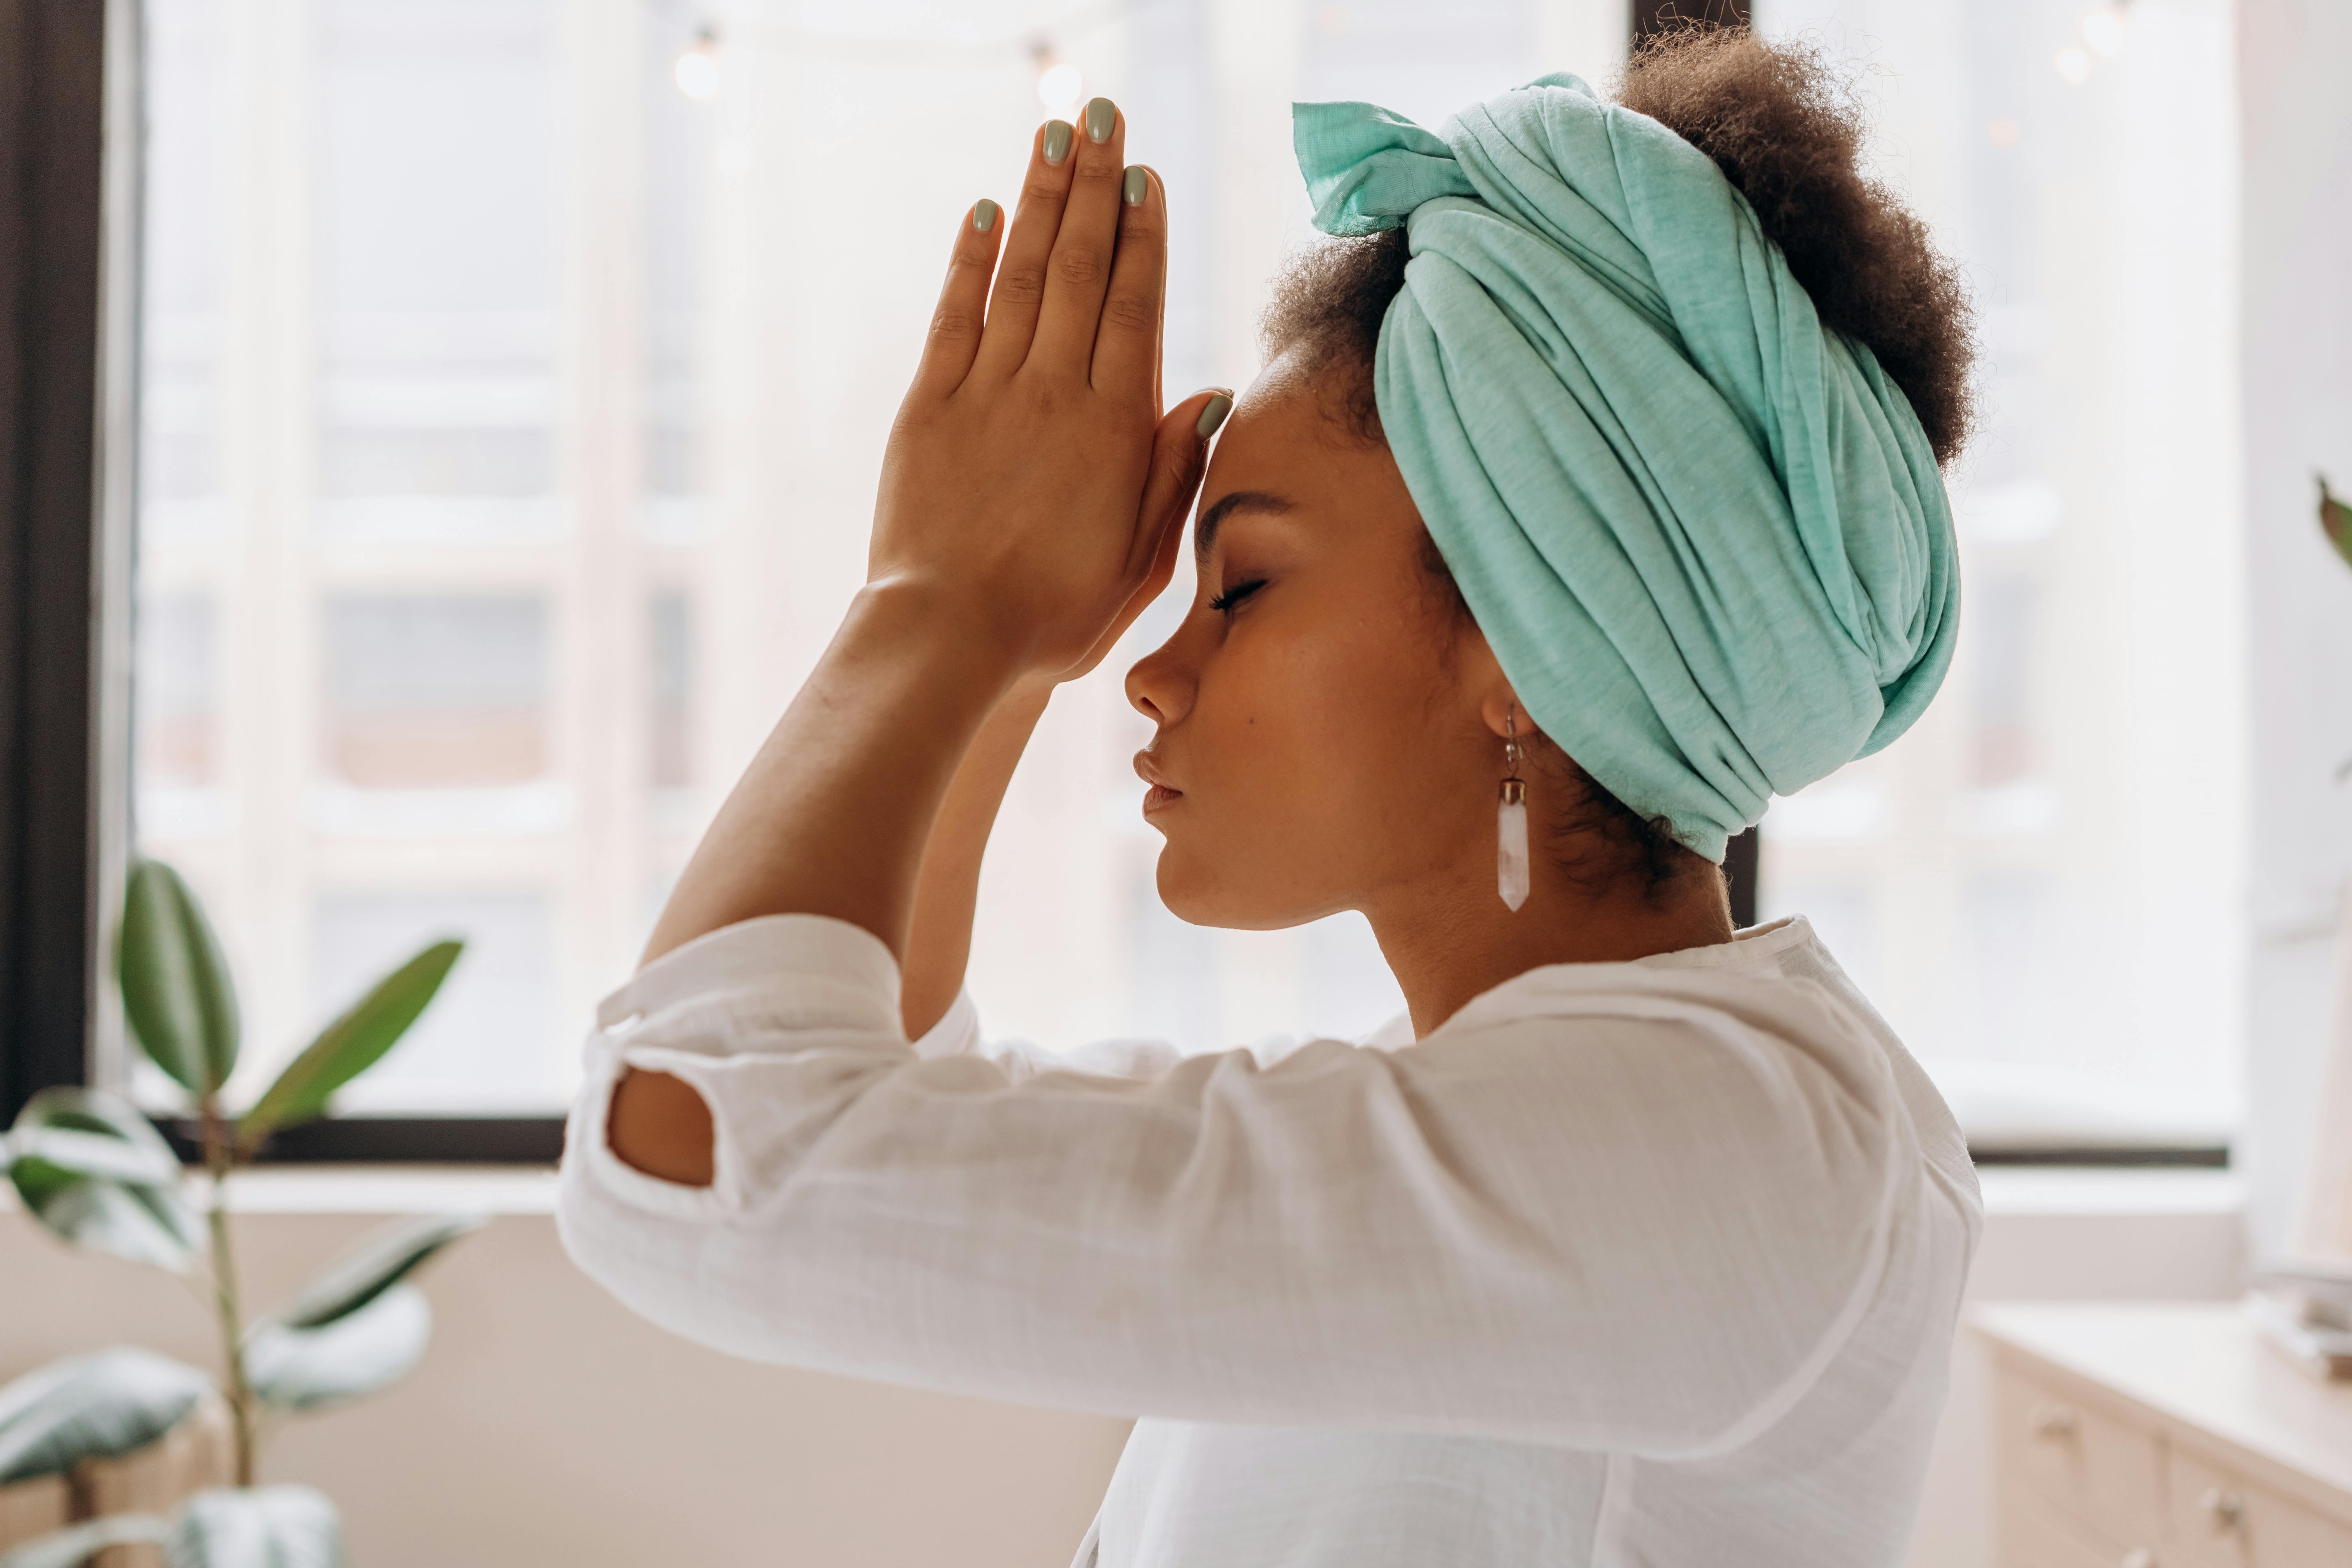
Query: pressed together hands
{"x":1031,"y":503}
{"x":1031,"y":491}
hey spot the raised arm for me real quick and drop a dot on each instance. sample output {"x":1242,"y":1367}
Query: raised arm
{"x":1029,"y":505}
{"x":947,"y":888}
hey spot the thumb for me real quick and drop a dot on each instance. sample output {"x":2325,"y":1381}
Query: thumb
{"x":1180,"y":457}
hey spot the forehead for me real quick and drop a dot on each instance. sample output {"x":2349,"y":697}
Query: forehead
{"x":1286,"y":439}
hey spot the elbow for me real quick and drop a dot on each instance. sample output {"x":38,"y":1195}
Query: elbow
{"x":661,"y":1125}
{"x":622,"y":1236}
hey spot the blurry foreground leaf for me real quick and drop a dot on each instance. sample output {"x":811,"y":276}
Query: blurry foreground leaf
{"x":2335,"y":521}
{"x":297,"y":1368}
{"x":261,"y":1527}
{"x":71,"y":1547}
{"x":381,"y":1262}
{"x":351,"y":1045}
{"x":100,"y":1405}
{"x":258,"y":1527}
{"x":89,"y":1166}
{"x":176,"y":991}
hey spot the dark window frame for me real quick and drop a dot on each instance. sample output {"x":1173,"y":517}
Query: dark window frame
{"x":52,"y":189}
{"x":70,"y":129}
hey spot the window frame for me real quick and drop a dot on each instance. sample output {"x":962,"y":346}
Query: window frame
{"x":54,"y":531}
{"x":71,"y":128}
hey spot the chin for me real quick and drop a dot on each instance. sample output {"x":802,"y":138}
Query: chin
{"x":1201,"y":896}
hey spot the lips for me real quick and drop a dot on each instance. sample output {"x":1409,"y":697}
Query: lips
{"x":1161,"y":792}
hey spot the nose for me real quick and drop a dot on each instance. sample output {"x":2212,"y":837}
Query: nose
{"x":1161,"y":683}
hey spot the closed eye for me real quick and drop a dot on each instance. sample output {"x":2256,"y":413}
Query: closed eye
{"x":1224,"y":601}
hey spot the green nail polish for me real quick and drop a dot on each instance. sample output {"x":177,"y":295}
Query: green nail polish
{"x":1137,"y":183}
{"x":1057,"y":141}
{"x":983,"y":214}
{"x":1102,"y":118}
{"x":1214,"y":415}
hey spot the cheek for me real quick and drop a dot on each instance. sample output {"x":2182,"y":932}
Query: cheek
{"x":1321,"y":753}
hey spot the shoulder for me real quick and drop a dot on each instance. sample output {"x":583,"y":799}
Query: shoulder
{"x":1754,"y":1024}
{"x":1751,"y":1090}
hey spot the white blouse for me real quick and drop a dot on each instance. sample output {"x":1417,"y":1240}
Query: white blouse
{"x":1651,"y":1263}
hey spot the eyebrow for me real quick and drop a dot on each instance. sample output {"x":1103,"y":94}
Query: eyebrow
{"x":1204,"y":533}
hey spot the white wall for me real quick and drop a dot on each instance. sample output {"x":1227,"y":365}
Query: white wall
{"x":2297,"y":344}
{"x":548,"y":1426}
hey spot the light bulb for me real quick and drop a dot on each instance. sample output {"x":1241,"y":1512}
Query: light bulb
{"x":697,"y":70}
{"x":2074,"y":65}
{"x":2103,"y":29}
{"x":1059,"y":88}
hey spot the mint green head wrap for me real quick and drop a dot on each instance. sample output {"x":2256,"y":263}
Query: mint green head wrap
{"x":1705,"y":537}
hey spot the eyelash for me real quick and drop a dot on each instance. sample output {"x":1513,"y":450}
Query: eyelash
{"x":1224,"y":603}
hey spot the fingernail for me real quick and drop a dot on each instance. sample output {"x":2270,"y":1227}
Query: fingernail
{"x":983,"y":214}
{"x":1214,"y":415}
{"x":1102,"y":116}
{"x":1138,"y":182}
{"x":1057,"y":141}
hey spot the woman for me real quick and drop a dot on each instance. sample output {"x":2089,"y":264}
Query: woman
{"x":1581,"y":507}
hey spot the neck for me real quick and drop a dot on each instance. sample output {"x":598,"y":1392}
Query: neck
{"x":1447,"y":944}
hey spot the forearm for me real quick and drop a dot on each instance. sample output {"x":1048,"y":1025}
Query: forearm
{"x":947,"y":888}
{"x":832,"y":816}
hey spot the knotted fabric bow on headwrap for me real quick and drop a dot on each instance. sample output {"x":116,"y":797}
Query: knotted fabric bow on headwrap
{"x":1705,"y":537}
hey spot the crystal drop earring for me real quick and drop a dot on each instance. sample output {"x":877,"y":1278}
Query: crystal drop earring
{"x":1511,"y":821}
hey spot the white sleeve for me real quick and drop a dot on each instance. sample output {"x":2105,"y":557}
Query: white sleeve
{"x":958,"y":1034}
{"x":1646,"y":1229}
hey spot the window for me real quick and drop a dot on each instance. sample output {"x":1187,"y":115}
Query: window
{"x":2035,"y":885}
{"x":510,"y":440}
{"x":511,"y":398}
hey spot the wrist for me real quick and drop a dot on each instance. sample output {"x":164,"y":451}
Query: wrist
{"x":938,"y":628}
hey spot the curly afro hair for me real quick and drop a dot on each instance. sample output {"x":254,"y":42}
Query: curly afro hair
{"x":1786,"y":129}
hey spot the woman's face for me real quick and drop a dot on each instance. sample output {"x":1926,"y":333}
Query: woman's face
{"x":1324,"y":717}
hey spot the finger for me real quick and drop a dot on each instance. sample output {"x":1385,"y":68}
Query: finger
{"x":1028,"y":246}
{"x":1126,"y":339}
{"x":1080,"y":266}
{"x":1179,"y":457}
{"x":955,"y":332}
{"x":1160,"y":330}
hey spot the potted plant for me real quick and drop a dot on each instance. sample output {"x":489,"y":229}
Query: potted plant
{"x":90,"y":1166}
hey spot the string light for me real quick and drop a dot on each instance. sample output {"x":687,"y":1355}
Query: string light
{"x":2073,"y":66}
{"x":2103,"y":29}
{"x":697,"y":70}
{"x":1060,"y":86}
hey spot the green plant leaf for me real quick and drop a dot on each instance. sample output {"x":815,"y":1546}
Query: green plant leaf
{"x":71,"y":1547}
{"x":2334,"y":519}
{"x":360,"y":1352}
{"x":377,"y":1265}
{"x":351,"y":1045}
{"x":89,"y":1167}
{"x":73,"y":1109}
{"x":104,"y":1403}
{"x":176,"y":991}
{"x":257,"y":1527}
